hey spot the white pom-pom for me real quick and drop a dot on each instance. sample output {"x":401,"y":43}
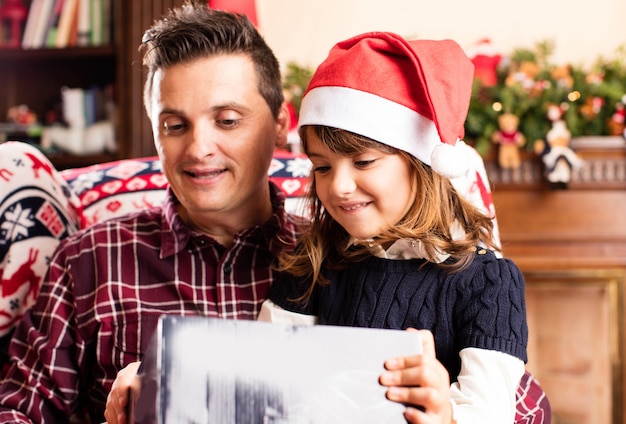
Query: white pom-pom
{"x":449,"y":161}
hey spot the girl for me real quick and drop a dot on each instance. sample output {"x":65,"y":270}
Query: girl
{"x":392,"y":244}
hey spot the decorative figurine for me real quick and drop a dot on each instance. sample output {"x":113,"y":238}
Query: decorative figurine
{"x":509,"y":139}
{"x":558,"y":158}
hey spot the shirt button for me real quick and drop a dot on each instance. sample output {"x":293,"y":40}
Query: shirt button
{"x":227,"y":269}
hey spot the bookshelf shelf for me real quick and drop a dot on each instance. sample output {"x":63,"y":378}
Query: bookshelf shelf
{"x":20,"y":55}
{"x":62,"y":161}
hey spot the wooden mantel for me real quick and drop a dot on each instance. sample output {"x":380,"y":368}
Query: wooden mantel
{"x":571,"y":246}
{"x":563,"y":229}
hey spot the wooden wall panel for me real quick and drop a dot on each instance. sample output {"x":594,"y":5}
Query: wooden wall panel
{"x":563,"y":228}
{"x":575,"y":348}
{"x":571,"y":246}
{"x":137,"y":16}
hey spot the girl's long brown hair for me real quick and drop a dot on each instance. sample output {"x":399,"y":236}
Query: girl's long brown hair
{"x":429,"y":220}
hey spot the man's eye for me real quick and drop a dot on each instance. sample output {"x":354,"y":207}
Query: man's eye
{"x":228,"y":123}
{"x":172,"y":128}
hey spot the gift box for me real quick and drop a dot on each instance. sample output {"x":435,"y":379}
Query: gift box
{"x":208,"y":370}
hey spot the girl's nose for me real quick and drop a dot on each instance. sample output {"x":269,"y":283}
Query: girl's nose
{"x":342,"y":183}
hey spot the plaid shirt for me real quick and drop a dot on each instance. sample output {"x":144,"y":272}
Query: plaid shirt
{"x":104,"y":292}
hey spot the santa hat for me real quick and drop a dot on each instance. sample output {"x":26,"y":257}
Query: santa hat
{"x":411,"y":95}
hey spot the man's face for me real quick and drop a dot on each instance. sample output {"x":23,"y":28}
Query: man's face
{"x":216,"y":135}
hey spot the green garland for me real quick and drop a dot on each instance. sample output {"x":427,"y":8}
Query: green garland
{"x":589,"y":98}
{"x":588,"y":104}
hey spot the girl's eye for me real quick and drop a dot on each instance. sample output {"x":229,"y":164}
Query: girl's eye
{"x":321,"y":169}
{"x":364,"y":163}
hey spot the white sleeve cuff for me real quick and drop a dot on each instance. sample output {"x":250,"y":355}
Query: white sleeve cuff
{"x":486,"y":387}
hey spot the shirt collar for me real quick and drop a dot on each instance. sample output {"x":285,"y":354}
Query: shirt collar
{"x":403,"y":249}
{"x":279,"y":231}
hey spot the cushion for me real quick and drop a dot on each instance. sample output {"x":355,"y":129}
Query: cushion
{"x":37,"y":209}
{"x":290,"y":172}
{"x":114,"y":188}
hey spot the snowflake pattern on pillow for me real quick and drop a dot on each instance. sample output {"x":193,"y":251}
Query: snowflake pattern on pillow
{"x":37,"y":209}
{"x":115,"y":188}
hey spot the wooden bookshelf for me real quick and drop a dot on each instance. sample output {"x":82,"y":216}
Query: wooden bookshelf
{"x":35,"y":76}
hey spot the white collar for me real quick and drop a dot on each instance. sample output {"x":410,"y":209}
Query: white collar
{"x":403,"y":249}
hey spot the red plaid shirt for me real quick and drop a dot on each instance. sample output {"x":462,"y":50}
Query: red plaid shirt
{"x":104,"y":292}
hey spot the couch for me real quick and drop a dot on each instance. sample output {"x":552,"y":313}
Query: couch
{"x":40,"y":206}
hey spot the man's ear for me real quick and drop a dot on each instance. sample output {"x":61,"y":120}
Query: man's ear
{"x":283,"y":122}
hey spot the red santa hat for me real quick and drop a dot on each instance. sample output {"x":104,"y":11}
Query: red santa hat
{"x":411,"y":95}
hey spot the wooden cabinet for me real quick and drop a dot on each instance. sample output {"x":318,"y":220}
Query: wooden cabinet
{"x":571,"y":246}
{"x":34,"y":77}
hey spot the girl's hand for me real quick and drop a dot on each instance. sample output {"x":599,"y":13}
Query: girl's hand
{"x":421,"y":382}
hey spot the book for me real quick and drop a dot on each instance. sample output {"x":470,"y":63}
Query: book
{"x":68,"y":14}
{"x":84,"y":23}
{"x":53,"y":24}
{"x":91,"y":98}
{"x":31,"y":23}
{"x":107,"y":21}
{"x":199,"y":369}
{"x":97,"y":34}
{"x":74,"y":106}
{"x":73,"y":36}
{"x":41,"y":26}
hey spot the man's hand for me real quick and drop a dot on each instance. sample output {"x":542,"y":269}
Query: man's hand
{"x":118,"y":398}
{"x":421,"y":382}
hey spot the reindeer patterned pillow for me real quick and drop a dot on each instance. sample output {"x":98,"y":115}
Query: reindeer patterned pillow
{"x":37,"y":209}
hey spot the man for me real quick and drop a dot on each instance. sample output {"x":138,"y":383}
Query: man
{"x":214,"y":97}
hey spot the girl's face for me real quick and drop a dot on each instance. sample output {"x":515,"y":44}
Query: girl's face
{"x":365,"y":193}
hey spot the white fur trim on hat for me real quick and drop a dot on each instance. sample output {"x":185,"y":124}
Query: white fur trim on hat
{"x":384,"y":121}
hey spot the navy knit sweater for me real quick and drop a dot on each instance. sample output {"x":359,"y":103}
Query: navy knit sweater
{"x":482,"y":306}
